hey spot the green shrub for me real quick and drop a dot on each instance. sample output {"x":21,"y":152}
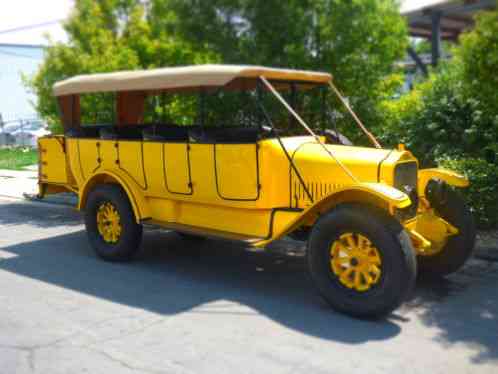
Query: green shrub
{"x":443,"y":126}
{"x":437,"y":119}
{"x":483,"y":191}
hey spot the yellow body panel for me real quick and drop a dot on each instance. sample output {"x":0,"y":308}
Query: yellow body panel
{"x":248,"y":190}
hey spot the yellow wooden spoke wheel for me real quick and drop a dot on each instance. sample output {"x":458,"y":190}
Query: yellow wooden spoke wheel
{"x":355,"y":261}
{"x":109,"y":223}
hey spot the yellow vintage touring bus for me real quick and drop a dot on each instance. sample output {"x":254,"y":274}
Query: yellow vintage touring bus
{"x":370,"y":216}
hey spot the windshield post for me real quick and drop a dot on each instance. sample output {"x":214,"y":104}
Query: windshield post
{"x":323,"y":109}
{"x":306,"y":127}
{"x":293,"y":103}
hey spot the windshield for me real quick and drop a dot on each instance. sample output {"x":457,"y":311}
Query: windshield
{"x":318,"y":110}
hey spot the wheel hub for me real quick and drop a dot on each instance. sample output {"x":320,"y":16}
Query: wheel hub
{"x":355,"y":262}
{"x":109,"y":223}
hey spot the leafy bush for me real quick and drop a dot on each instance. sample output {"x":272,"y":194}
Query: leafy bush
{"x":437,"y":119}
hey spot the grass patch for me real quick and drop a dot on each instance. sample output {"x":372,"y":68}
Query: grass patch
{"x":17,"y":158}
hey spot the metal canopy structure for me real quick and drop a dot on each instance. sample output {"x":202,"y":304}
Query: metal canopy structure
{"x":438,"y":20}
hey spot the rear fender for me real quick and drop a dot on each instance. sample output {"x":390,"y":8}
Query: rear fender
{"x":139,"y":204}
{"x":372,"y":194}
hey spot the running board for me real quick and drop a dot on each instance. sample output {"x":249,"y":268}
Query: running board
{"x":202,"y":231}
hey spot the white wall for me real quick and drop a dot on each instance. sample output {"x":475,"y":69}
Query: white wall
{"x":14,"y":97}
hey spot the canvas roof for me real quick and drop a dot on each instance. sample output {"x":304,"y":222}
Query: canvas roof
{"x":178,"y":78}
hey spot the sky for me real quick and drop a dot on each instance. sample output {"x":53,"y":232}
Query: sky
{"x":20,"y":13}
{"x":411,"y":5}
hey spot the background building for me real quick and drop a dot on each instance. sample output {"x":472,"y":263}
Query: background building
{"x":16,"y":61}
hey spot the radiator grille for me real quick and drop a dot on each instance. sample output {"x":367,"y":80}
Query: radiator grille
{"x":317,"y":190}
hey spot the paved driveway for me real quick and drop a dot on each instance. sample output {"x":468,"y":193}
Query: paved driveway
{"x":223,"y":310}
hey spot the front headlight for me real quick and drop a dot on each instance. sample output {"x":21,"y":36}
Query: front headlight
{"x":405,"y":179}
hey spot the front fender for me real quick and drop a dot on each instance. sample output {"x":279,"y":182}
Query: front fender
{"x":132,"y":190}
{"x":380,"y":195}
{"x":450,"y":177}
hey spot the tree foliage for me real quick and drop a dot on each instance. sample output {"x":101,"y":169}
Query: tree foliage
{"x":358,"y":41}
{"x":478,"y":56}
{"x":106,"y":36}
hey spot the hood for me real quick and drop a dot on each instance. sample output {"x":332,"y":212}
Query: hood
{"x":315,"y":164}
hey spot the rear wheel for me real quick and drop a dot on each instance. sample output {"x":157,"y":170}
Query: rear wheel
{"x":110,"y":224}
{"x":459,"y":248}
{"x":361,"y":261}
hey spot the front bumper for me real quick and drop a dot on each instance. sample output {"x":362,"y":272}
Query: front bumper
{"x":429,"y":232}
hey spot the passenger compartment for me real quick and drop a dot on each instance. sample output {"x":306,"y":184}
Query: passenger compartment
{"x":228,"y":135}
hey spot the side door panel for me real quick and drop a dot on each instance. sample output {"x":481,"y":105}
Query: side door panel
{"x":130,"y":160}
{"x":176,"y":166}
{"x":89,"y":158}
{"x":237,"y":171}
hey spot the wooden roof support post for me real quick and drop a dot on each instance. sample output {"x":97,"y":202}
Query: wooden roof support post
{"x":130,"y":107}
{"x":70,"y":112}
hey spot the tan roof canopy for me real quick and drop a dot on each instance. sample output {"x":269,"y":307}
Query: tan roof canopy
{"x":178,"y":78}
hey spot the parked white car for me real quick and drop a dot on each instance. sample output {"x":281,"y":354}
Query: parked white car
{"x":23,"y":133}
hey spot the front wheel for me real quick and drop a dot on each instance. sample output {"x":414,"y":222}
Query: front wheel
{"x":110,"y":224}
{"x":361,"y":261}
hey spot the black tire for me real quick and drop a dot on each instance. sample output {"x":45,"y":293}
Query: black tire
{"x":129,"y":241}
{"x":399,"y":267}
{"x":460,"y":247}
{"x":302,"y":234}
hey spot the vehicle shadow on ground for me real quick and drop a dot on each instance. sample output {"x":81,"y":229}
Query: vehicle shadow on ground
{"x":164,"y":281}
{"x":173,"y":275}
{"x":39,"y":215}
{"x":463,"y":307}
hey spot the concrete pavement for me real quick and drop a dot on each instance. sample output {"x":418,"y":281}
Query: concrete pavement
{"x":24,"y":184}
{"x":225,"y":310}
{"x":15,"y":183}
